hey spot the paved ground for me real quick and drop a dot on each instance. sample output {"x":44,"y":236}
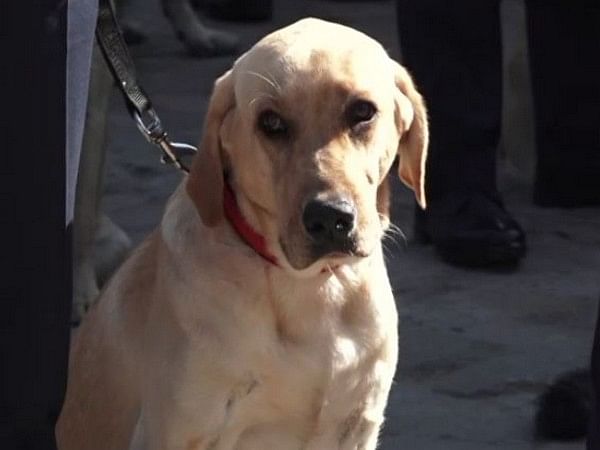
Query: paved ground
{"x":476,"y":347}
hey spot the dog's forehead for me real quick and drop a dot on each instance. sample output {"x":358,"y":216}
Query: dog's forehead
{"x":308,"y":51}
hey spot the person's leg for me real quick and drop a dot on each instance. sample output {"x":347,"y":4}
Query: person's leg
{"x":89,"y":186}
{"x":35,"y":306}
{"x":564,"y":44}
{"x":453,"y":51}
{"x":90,"y":226}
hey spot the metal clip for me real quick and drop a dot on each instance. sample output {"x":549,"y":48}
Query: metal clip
{"x":155,"y":134}
{"x":154,"y":131}
{"x":172,"y":152}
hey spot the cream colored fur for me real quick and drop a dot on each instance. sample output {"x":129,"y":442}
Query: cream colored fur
{"x":198,"y":343}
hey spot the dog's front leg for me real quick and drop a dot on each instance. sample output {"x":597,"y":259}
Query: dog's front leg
{"x":176,"y":431}
{"x":164,"y":440}
{"x":356,"y":433}
{"x":368,"y":437}
{"x":142,"y":440}
{"x":186,"y":419}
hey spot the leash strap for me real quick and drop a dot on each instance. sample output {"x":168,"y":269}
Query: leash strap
{"x":111,"y":41}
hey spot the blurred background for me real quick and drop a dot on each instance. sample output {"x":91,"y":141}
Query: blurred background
{"x":477,"y":347}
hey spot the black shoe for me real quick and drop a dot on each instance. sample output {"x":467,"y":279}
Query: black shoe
{"x":471,"y":229}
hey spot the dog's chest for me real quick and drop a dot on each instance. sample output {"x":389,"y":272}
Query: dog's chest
{"x":306,"y":376}
{"x":279,"y":367}
{"x":298,"y":391}
{"x":307,"y":372}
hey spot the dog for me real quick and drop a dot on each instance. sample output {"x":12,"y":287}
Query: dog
{"x":259,"y":314}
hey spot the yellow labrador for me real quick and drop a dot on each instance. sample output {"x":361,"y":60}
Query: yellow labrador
{"x":259,"y":315}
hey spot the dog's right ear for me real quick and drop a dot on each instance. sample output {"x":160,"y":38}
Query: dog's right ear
{"x":205,"y":180}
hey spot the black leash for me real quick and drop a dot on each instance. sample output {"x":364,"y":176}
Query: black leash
{"x":110,"y":39}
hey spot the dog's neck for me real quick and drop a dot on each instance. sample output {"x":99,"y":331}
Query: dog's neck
{"x":249,"y":235}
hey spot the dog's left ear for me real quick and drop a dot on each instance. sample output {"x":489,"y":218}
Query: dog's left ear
{"x":411,"y":119}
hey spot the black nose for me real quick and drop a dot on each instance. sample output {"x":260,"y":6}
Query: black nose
{"x":329,"y":223}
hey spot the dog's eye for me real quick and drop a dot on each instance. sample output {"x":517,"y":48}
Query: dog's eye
{"x":361,"y":111}
{"x":272,"y":124}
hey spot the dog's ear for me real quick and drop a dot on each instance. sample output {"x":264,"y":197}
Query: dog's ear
{"x":205,"y":180}
{"x":411,"y":119}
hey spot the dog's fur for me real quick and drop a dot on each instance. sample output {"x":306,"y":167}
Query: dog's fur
{"x":197,"y":342}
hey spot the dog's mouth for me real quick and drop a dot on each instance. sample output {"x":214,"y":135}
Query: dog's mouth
{"x":349,"y":248}
{"x":309,"y":255}
{"x":335,"y":260}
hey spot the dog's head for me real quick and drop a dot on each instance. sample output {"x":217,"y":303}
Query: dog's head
{"x":306,"y":125}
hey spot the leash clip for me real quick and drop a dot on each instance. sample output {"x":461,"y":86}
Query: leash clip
{"x":154,"y":133}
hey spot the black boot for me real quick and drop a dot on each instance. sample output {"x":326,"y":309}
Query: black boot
{"x":471,"y":229}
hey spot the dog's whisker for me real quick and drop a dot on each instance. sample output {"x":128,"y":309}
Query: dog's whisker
{"x":395,"y":235}
{"x":387,"y":247}
{"x":274,"y":80}
{"x":389,"y":238}
{"x":270,"y":82}
{"x":262,"y":95}
{"x":396,"y":230}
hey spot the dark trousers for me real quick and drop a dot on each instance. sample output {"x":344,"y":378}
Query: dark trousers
{"x":453,"y":50}
{"x":35,"y":282}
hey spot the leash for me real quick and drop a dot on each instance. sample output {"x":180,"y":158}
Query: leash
{"x":111,"y":41}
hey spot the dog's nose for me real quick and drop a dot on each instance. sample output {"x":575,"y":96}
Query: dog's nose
{"x":329,"y":223}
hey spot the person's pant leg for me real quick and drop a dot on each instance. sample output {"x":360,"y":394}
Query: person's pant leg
{"x":564,"y":51}
{"x":35,"y":306}
{"x":453,"y":50}
{"x":34,"y":327}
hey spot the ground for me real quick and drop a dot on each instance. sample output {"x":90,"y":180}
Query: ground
{"x":477,"y":347}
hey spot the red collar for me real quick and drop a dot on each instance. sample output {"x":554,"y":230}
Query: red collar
{"x":244,"y":230}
